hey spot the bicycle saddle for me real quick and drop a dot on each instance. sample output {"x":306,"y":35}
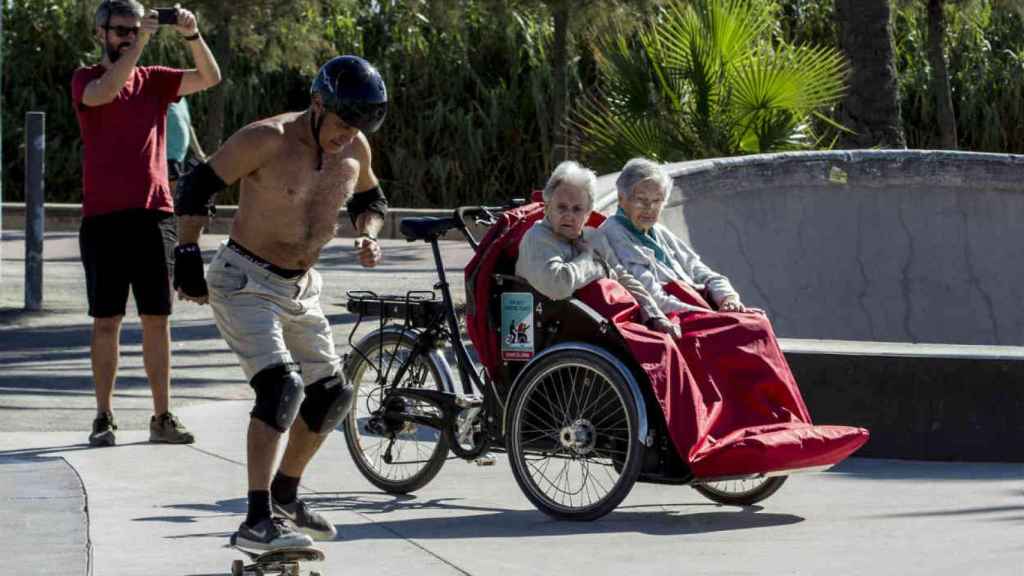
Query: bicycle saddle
{"x":426,"y":228}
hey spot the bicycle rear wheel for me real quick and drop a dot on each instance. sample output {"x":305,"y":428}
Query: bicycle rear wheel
{"x":740,"y":492}
{"x":394,"y":454}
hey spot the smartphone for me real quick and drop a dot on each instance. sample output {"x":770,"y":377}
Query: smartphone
{"x":167,"y":16}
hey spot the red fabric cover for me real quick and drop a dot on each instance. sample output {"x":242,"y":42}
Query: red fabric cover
{"x":501,"y":242}
{"x":687,"y":294}
{"x":124,"y":142}
{"x":729,"y":399}
{"x":779,"y":447}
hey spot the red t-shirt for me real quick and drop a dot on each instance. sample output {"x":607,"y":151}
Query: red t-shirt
{"x":124,"y":158}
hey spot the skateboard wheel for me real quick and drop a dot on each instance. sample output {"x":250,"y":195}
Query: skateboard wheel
{"x":237,"y":568}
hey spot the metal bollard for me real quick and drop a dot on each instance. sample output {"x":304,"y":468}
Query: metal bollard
{"x":1,"y":150}
{"x":35,"y":167}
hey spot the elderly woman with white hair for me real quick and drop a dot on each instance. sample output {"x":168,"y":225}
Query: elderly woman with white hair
{"x":558,"y":256}
{"x":730,"y":349}
{"x":651,"y":252}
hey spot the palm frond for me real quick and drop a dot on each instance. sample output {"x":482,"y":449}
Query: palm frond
{"x":715,"y":85}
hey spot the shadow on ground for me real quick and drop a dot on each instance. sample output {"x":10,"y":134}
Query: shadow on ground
{"x":880,"y":469}
{"x":491,"y":522}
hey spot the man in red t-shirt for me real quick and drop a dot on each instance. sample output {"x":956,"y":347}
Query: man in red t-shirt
{"x":128,"y":230}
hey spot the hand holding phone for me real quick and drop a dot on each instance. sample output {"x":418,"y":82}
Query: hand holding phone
{"x":167,"y":16}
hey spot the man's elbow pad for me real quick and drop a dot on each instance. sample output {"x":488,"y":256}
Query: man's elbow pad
{"x":372,"y":200}
{"x":196,"y":191}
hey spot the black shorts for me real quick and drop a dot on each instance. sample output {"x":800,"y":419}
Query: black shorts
{"x":174,"y":170}
{"x":133,"y":248}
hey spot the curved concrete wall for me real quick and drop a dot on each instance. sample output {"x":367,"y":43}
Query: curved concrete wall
{"x":916,"y":246}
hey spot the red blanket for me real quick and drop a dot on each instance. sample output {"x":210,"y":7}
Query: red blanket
{"x":730,"y":401}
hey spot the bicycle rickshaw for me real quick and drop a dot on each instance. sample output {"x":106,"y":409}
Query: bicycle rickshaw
{"x":556,"y":387}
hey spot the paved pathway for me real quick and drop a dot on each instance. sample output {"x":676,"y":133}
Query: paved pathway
{"x":147,"y":509}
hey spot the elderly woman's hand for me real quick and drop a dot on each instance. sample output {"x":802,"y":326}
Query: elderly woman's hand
{"x":665,"y":326}
{"x":732,"y":304}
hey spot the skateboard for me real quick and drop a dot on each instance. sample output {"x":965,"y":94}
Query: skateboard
{"x":281,"y":562}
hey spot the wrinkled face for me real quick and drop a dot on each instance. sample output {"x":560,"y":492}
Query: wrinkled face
{"x":644,"y":208}
{"x":335,"y":134}
{"x":118,"y":35}
{"x":567,"y":210}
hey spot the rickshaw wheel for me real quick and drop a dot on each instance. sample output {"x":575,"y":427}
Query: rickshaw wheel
{"x":403,"y":458}
{"x":742,"y":492}
{"x":572,"y":435}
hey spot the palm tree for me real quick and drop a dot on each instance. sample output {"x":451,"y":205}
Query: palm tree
{"x":871,"y":109}
{"x":705,"y":79}
{"x":940,"y":76}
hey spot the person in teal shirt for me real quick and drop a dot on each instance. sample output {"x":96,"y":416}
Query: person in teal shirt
{"x":181,"y":137}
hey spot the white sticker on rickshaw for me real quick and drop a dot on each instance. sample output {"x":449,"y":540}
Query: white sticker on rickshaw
{"x":516,"y":326}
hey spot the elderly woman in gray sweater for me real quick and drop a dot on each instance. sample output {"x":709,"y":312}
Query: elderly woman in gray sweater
{"x":558,"y":256}
{"x":651,"y":252}
{"x":732,"y":353}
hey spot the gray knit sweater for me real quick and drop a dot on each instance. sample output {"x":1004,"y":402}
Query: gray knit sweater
{"x":686,"y":266}
{"x":556,"y":268}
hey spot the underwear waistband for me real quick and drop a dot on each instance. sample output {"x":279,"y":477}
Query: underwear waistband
{"x":287,"y":273}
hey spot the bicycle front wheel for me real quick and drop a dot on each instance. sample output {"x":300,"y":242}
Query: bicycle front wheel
{"x":392,"y":452}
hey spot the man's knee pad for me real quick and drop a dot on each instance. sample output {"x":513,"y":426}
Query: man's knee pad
{"x":327,"y":403}
{"x":278,"y":396}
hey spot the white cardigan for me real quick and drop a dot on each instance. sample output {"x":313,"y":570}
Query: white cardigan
{"x":556,"y":268}
{"x":686,"y":266}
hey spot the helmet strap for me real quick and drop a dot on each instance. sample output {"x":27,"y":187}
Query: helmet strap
{"x":315,"y":124}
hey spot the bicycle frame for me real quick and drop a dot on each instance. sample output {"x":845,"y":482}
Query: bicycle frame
{"x":475,"y":396}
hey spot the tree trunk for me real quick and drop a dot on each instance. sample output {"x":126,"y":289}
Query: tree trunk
{"x":560,"y":93}
{"x":941,"y":94}
{"x":872,"y":105}
{"x":221,"y":48}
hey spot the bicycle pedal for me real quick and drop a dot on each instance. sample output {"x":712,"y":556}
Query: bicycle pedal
{"x":485,"y":460}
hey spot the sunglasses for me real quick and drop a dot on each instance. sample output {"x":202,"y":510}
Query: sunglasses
{"x":124,"y":30}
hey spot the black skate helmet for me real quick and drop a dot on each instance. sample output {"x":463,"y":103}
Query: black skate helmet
{"x":353,"y":89}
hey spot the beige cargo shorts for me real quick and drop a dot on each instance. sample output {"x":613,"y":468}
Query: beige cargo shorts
{"x":269,"y":320}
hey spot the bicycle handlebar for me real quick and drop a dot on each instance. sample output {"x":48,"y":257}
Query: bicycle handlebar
{"x":477,"y":211}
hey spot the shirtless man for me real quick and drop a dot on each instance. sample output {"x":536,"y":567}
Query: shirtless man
{"x":296,"y":172}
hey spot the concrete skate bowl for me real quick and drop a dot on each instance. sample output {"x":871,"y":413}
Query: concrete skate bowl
{"x":902,"y":246}
{"x":895,"y":278}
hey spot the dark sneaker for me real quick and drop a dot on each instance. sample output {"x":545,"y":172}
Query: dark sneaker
{"x":103,"y":430}
{"x":270,"y":534}
{"x":167,"y":429}
{"x":306,"y":519}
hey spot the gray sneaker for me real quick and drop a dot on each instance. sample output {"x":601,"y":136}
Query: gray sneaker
{"x":305,"y":519}
{"x":167,"y":429}
{"x":103,"y":430}
{"x":270,"y":534}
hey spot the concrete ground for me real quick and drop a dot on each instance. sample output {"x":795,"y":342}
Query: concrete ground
{"x":140,"y":508}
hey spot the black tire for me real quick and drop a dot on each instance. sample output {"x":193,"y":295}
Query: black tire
{"x":428,"y":446}
{"x":741,"y":492}
{"x":575,"y":408}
